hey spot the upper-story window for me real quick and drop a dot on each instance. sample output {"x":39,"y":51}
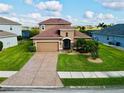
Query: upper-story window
{"x":43,"y":27}
{"x":66,"y":34}
{"x":10,"y":28}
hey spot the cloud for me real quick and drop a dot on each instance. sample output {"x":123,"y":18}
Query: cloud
{"x":112,"y":4}
{"x":89,"y":14}
{"x":5,"y":8}
{"x":50,"y":6}
{"x":93,"y":18}
{"x":30,"y":2}
{"x":34,"y":15}
{"x":95,"y":15}
{"x":105,"y":16}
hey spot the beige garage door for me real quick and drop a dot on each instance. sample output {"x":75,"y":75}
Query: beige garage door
{"x":47,"y":46}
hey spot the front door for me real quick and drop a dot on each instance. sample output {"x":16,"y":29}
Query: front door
{"x":66,"y":44}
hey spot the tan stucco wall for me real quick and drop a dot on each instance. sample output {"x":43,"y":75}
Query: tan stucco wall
{"x":70,"y":34}
{"x":51,"y":26}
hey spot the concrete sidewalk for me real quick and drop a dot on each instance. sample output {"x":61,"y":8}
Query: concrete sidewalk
{"x":107,"y":74}
{"x":7,"y":73}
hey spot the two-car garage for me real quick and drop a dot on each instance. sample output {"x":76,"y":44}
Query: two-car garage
{"x":47,"y":46}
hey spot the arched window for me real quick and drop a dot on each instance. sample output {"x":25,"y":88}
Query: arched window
{"x":66,"y":34}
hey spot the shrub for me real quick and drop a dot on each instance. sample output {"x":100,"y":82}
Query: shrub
{"x":118,"y":43}
{"x":19,"y":38}
{"x":80,"y":43}
{"x":1,"y":45}
{"x":110,"y":43}
{"x":34,"y":31}
{"x":32,"y":48}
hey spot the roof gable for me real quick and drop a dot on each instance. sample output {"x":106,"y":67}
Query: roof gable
{"x":4,"y":21}
{"x":55,"y":21}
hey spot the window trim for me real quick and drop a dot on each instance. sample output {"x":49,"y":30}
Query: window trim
{"x":43,"y":27}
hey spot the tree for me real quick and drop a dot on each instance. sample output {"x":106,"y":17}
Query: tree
{"x":83,"y":28}
{"x":34,"y":31}
{"x":92,"y":47}
{"x":1,"y":45}
{"x":102,"y":25}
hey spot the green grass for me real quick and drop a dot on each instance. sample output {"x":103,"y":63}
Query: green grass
{"x":2,"y":79}
{"x":113,"y":60}
{"x":93,"y":82}
{"x":14,"y":58}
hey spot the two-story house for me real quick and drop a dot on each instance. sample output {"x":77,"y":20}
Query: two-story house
{"x":56,"y":34}
{"x":9,"y":30}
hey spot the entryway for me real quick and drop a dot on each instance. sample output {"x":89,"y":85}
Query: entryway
{"x":66,"y":44}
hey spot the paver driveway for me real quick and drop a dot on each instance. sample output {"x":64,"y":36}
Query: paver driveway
{"x":39,"y":71}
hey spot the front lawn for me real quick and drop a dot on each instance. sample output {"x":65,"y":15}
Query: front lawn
{"x":113,"y":60}
{"x":14,"y":58}
{"x":93,"y":82}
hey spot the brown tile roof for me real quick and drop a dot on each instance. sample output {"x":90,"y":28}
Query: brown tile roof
{"x":52,"y":32}
{"x":53,"y":21}
{"x":81,"y":35}
{"x":6,"y":34}
{"x":4,"y":21}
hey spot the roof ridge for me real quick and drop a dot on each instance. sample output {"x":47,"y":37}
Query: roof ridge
{"x":55,"y":21}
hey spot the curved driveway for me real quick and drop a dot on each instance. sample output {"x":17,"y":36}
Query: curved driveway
{"x":39,"y":71}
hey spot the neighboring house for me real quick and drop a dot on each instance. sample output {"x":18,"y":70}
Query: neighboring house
{"x":10,"y":26}
{"x":9,"y":30}
{"x":8,"y":39}
{"x":26,"y":31}
{"x":57,"y":34}
{"x":112,"y":35}
{"x":25,"y":34}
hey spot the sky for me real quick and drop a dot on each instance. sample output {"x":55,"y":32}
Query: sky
{"x":79,"y":12}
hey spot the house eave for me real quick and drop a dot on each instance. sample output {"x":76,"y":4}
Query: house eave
{"x":82,"y":37}
{"x":8,"y":36}
{"x":46,"y":38}
{"x":67,"y":29}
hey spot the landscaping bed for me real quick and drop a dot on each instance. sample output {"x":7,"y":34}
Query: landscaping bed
{"x":14,"y":58}
{"x":113,"y":60}
{"x":93,"y":82}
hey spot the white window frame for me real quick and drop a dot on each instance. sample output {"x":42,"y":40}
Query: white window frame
{"x":43,"y":26}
